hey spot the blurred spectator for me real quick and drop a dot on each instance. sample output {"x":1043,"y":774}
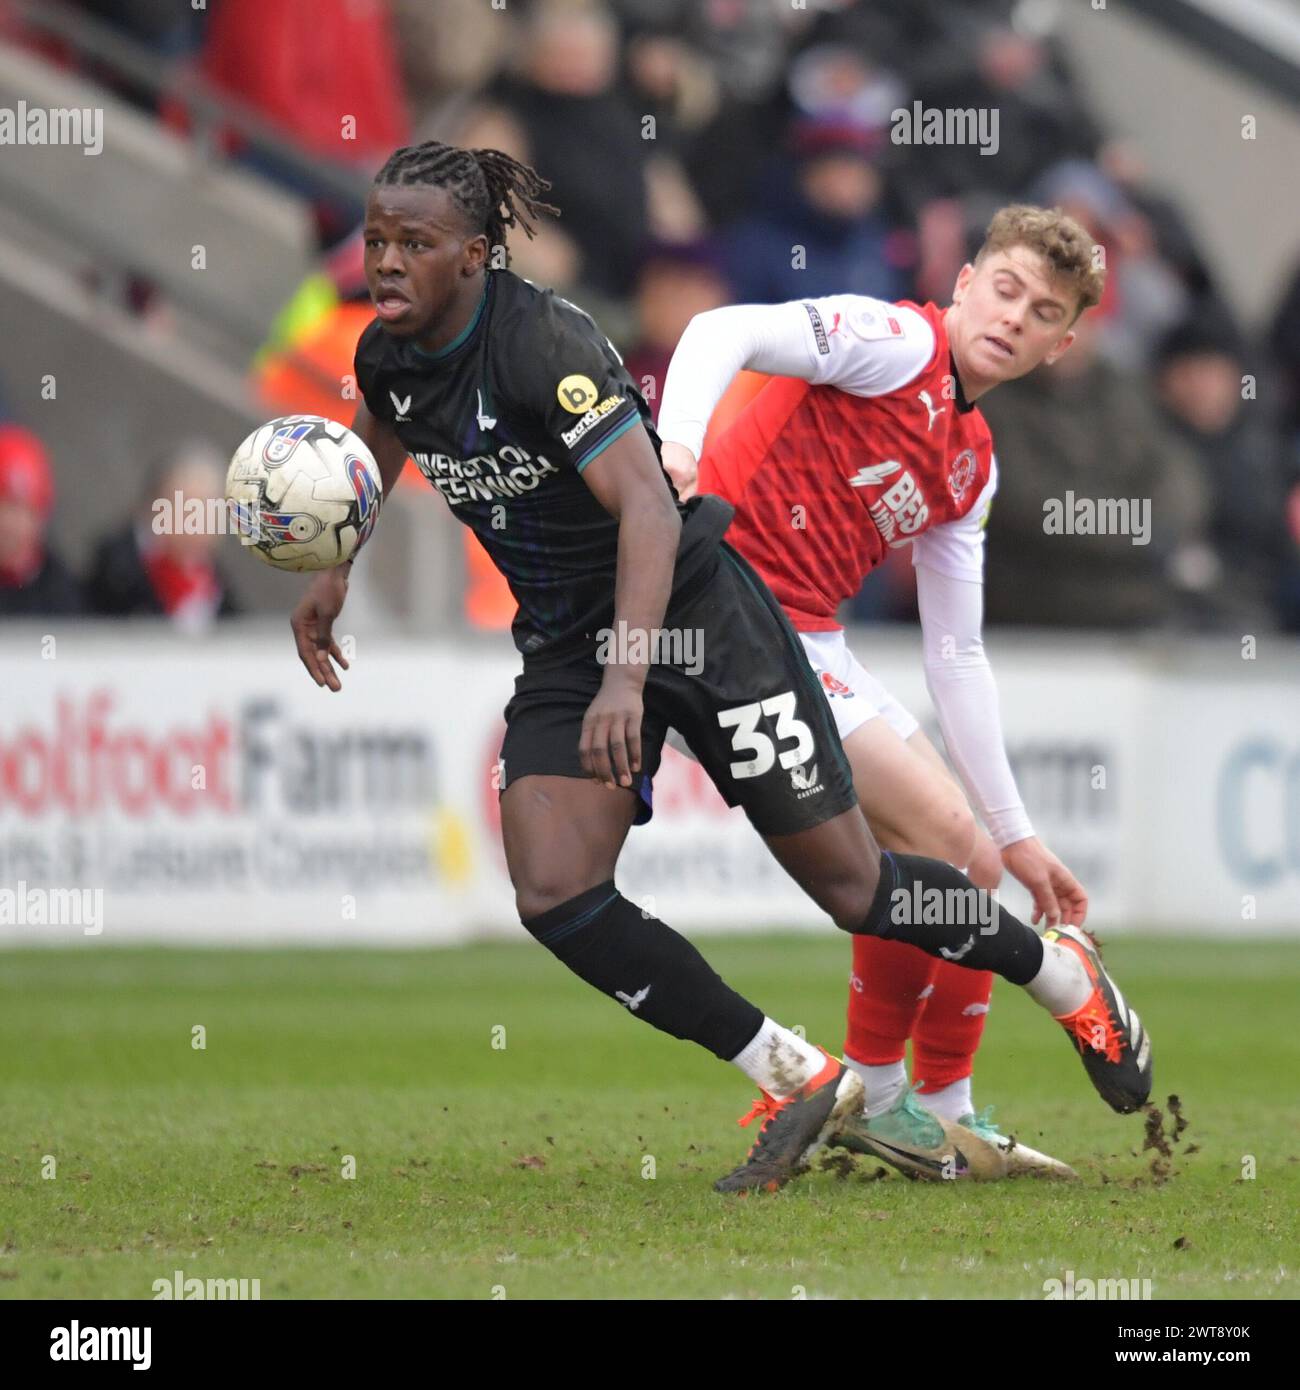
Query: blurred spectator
{"x":1199,"y":368}
{"x":171,"y":30}
{"x":449,"y":50}
{"x":834,"y":82}
{"x":822,"y":230}
{"x":325,"y":72}
{"x":675,"y":283}
{"x":552,"y":256}
{"x":1175,"y":241}
{"x":665,"y":79}
{"x":1144,"y":295}
{"x":158,"y":563}
{"x":310,"y":65}
{"x":747,"y":42}
{"x":584,"y":137}
{"x":307,"y":357}
{"x":1082,"y":430}
{"x":1284,"y":341}
{"x":1041,"y":118}
{"x":34,"y":582}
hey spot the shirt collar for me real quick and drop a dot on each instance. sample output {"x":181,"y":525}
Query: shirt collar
{"x":963,"y":405}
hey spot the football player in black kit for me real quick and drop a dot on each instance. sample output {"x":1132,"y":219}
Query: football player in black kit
{"x":518,"y":410}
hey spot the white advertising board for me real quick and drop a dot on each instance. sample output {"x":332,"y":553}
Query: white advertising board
{"x":209,"y":792}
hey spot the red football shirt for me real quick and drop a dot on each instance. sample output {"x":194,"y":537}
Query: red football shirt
{"x":876,"y":451}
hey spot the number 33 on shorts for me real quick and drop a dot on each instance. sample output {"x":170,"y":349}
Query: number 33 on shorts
{"x":746,"y":737}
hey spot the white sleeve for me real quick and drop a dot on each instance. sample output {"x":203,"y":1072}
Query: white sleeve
{"x":956,"y":549}
{"x":864,"y":346}
{"x":965,"y":697}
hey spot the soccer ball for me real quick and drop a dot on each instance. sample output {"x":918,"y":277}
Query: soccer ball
{"x":304,"y":492}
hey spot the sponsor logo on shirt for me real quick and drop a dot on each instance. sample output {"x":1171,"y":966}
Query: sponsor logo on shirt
{"x":819,"y":330}
{"x":869,"y":475}
{"x":592,"y":418}
{"x":900,"y":511}
{"x":401,"y":404}
{"x":510,"y":472}
{"x":577,"y":393}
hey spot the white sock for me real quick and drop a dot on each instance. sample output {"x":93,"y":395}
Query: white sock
{"x":949,"y":1102}
{"x":778,"y":1060}
{"x":883,"y":1085}
{"x":1062,"y":984}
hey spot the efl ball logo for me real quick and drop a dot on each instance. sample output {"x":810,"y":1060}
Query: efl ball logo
{"x":367,"y":494}
{"x":284,"y":441}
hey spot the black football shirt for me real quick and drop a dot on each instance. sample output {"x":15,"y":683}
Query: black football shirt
{"x":502,"y":421}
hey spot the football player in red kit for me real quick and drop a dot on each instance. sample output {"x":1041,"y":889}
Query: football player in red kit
{"x":868,"y":438}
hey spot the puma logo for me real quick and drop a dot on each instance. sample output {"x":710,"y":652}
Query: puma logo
{"x":924,"y":398}
{"x":633,"y":1001}
{"x":960,"y":951}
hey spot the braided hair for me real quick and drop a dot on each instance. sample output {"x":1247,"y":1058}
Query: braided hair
{"x":493,"y":190}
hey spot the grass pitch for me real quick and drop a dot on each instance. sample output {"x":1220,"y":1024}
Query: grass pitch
{"x":576,"y":1159}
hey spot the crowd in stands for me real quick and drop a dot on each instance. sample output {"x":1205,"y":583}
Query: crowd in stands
{"x":693,"y":146}
{"x":143,"y":565}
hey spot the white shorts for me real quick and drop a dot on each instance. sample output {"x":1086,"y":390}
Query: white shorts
{"x":854,"y":694}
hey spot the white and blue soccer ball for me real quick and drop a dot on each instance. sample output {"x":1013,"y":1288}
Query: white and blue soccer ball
{"x":304,"y":492}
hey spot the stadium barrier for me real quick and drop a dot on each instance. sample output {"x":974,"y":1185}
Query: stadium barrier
{"x":207,"y":792}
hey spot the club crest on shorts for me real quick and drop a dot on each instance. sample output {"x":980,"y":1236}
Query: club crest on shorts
{"x":832,"y":685}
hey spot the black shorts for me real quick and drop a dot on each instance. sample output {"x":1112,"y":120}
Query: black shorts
{"x":733,"y":679}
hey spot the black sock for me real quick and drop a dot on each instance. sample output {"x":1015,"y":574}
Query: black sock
{"x":654,"y":973}
{"x":958,"y":922}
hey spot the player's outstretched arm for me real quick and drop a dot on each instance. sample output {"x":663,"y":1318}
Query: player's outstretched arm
{"x":629,"y":483}
{"x":962,"y":687}
{"x":863,"y":346}
{"x":312,"y":621}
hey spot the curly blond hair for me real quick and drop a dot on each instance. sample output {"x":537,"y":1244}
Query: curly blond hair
{"x":1063,"y":243}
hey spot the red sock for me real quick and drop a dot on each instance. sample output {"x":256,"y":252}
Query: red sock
{"x":949,"y":1030}
{"x":886,"y":996}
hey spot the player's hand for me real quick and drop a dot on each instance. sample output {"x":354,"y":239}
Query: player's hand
{"x":1058,"y":895}
{"x":610,"y":747}
{"x":680,"y":465}
{"x":313,"y":625}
